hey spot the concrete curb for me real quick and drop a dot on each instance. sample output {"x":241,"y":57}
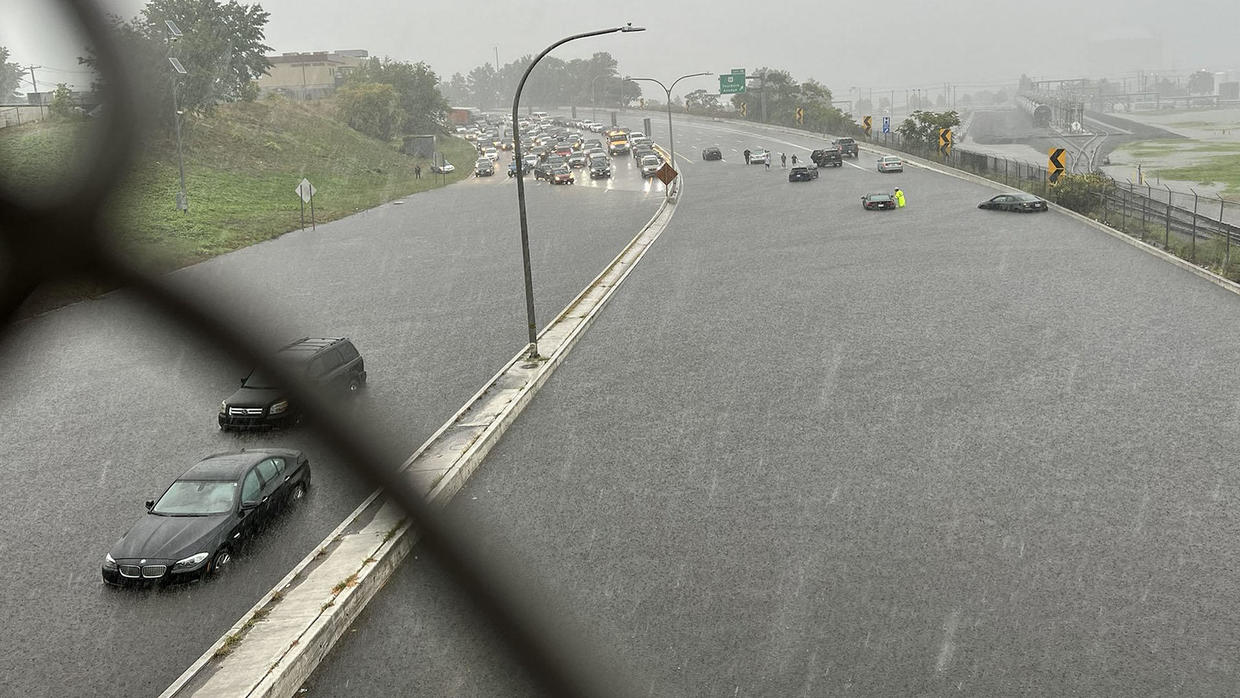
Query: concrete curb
{"x":277,"y":644}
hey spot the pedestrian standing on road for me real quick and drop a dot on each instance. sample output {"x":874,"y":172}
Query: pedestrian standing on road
{"x":747,"y":156}
{"x":768,"y":162}
{"x":794,"y":159}
{"x":783,"y":160}
{"x":899,"y":197}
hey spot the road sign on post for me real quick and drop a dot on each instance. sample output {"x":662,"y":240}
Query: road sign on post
{"x":867,"y":125}
{"x":306,"y":190}
{"x":1054,"y":165}
{"x":800,"y":115}
{"x":666,"y":174}
{"x":732,"y":83}
{"x":886,"y":124}
{"x":744,"y":109}
{"x":945,"y":142}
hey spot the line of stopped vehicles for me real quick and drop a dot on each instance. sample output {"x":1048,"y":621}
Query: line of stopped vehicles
{"x":840,"y":148}
{"x":553,"y":148}
{"x":212,"y":511}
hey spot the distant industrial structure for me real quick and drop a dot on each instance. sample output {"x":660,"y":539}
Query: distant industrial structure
{"x":311,"y":75}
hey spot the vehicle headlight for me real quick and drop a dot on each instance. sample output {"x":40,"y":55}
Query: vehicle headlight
{"x":279,"y":407}
{"x":108,"y":562}
{"x":190,"y":562}
{"x":224,"y":407}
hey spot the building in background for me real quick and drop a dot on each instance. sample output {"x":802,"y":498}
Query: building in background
{"x":310,"y":75}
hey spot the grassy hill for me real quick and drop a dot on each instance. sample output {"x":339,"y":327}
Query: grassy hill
{"x":242,"y":164}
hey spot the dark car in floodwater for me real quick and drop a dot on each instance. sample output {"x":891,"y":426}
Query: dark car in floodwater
{"x":202,"y":519}
{"x":331,"y":364}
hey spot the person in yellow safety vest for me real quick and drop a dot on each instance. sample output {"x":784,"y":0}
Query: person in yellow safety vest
{"x":899,"y":197}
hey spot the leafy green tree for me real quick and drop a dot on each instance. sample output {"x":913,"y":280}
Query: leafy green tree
{"x":923,"y":126}
{"x":62,"y":106}
{"x":10,"y":75}
{"x":221,"y":49}
{"x":422,"y":107}
{"x":370,"y":108}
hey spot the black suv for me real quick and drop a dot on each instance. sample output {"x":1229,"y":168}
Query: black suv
{"x":847,"y":146}
{"x":827,"y":157}
{"x":330,"y":363}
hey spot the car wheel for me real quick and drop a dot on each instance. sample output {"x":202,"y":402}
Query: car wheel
{"x":220,"y":562}
{"x":298,"y":494}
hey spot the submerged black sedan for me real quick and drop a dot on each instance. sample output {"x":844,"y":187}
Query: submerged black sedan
{"x":1019,"y":201}
{"x":197,"y":524}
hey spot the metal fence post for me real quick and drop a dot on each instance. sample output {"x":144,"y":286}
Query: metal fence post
{"x":1226,"y":236}
{"x":1005,"y":170}
{"x":1167,"y":229}
{"x":1145,"y":207}
{"x":1193,"y":257}
{"x":1123,"y":225}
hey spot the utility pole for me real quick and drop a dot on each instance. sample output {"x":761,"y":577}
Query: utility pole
{"x":174,"y":33}
{"x":36,"y":89}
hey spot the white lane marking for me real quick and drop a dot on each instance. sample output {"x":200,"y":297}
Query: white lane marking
{"x":949,"y":641}
{"x":683,"y":157}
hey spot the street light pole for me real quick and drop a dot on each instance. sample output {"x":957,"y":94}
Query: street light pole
{"x":532,"y":353}
{"x":671,"y":140}
{"x":174,"y":33}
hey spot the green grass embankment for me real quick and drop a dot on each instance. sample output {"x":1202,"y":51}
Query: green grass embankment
{"x":242,"y":164}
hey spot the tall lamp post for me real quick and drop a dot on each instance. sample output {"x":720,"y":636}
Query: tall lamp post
{"x":174,"y":33}
{"x":668,"y":89}
{"x":532,"y":354}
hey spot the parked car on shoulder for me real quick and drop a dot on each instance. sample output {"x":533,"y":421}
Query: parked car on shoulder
{"x":206,"y":515}
{"x":331,"y":364}
{"x":1020,"y":202}
{"x":712,"y":153}
{"x":445,"y":168}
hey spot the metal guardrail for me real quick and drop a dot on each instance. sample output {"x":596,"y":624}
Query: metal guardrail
{"x":65,"y":234}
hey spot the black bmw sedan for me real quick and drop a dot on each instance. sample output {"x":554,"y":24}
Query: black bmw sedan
{"x":211,"y":511}
{"x":1019,"y":201}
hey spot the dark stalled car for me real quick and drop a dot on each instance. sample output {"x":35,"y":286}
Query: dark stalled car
{"x":331,"y":364}
{"x":206,"y":515}
{"x":1019,"y":202}
{"x":872,"y":202}
{"x":562,"y":175}
{"x":827,"y":157}
{"x":600,"y":169}
{"x":802,"y":174}
{"x":712,"y":153}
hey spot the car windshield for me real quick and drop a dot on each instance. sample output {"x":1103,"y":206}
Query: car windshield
{"x":197,"y":498}
{"x":650,"y":160}
{"x":259,"y":380}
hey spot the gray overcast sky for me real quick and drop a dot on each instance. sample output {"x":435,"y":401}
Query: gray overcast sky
{"x":893,"y":44}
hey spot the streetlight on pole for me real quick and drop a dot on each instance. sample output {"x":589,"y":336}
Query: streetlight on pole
{"x":532,"y":354}
{"x":174,"y":33}
{"x":671,"y":141}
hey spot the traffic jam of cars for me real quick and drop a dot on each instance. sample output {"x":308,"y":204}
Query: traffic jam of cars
{"x":559,"y":150}
{"x":209,"y":514}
